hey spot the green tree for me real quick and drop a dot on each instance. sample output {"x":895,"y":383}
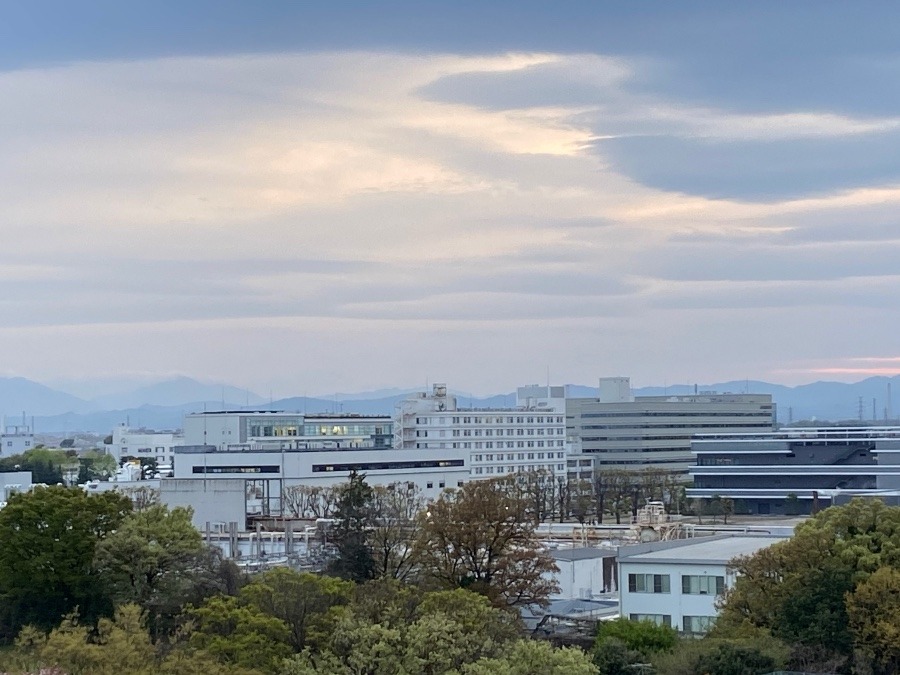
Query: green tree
{"x":239,"y":635}
{"x":734,"y":659}
{"x":874,"y":613}
{"x":44,"y":465}
{"x":478,"y":538}
{"x":353,"y":518}
{"x":49,"y":537}
{"x":145,"y":558}
{"x":781,"y":587}
{"x":304,"y":601}
{"x":613,"y":657}
{"x":646,"y":637}
{"x":441,"y":634}
{"x":146,"y":546}
{"x":532,"y":657}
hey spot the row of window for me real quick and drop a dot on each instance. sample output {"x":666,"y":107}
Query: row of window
{"x":468,"y":419}
{"x":539,"y":431}
{"x":481,"y":470}
{"x":520,"y":456}
{"x":385,"y":466}
{"x":489,"y":445}
{"x":691,"y":584}
{"x":690,"y":624}
{"x":478,"y":445}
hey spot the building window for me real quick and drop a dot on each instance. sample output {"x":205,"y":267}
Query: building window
{"x":648,"y":583}
{"x":702,"y":585}
{"x":698,"y":624}
{"x":429,"y":485}
{"x":442,"y":484}
{"x":658,"y":619}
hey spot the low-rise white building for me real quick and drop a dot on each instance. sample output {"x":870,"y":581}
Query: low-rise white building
{"x":16,"y":439}
{"x":144,"y":444}
{"x":677,"y":583}
{"x":12,"y":482}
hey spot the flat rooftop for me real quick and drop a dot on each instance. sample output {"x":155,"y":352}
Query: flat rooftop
{"x":718,"y":549}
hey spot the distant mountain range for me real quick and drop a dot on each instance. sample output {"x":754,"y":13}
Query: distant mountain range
{"x":164,"y":404}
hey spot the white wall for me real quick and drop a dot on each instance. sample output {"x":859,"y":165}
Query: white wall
{"x":674,"y":603}
{"x":297,"y":467}
{"x":213,"y":501}
{"x":579,"y":579}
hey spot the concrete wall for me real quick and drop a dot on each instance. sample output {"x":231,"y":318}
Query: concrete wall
{"x":213,"y":501}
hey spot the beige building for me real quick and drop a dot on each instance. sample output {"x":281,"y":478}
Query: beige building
{"x":620,"y":431}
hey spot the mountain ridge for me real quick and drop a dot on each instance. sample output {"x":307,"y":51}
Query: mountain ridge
{"x":159,"y":406}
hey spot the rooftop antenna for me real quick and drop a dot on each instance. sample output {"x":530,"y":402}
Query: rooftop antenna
{"x":548,"y":377}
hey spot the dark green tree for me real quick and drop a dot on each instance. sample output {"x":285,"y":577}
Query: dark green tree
{"x":797,"y":589}
{"x":48,"y":539}
{"x":353,"y":522}
{"x":735,"y":659}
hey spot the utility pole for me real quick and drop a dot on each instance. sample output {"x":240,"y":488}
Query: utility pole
{"x":860,"y":405}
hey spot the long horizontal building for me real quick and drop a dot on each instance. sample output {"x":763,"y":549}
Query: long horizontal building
{"x":796,"y":470}
{"x":621,"y":431}
{"x":237,"y":465}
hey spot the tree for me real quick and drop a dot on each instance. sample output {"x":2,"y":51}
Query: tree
{"x":114,"y":646}
{"x":477,"y":537}
{"x":239,"y":635}
{"x":614,"y":657}
{"x":49,"y":537}
{"x":874,"y":613}
{"x":779,"y":588}
{"x":44,"y":465}
{"x":353,"y":521}
{"x":617,"y":490}
{"x":735,"y":659}
{"x":445,"y":631}
{"x":394,"y":509}
{"x":532,"y":657}
{"x":149,"y":548}
{"x":646,"y":637}
{"x":304,"y":601}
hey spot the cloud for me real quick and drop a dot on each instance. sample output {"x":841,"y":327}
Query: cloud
{"x":305,"y":212}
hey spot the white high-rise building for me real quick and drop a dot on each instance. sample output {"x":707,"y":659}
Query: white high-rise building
{"x":499,"y":441}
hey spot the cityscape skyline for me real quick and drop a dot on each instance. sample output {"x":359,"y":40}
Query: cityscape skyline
{"x":347,"y":198}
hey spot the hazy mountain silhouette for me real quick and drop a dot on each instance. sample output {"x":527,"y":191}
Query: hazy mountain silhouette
{"x":164,"y":404}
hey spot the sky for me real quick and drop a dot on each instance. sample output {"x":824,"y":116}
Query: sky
{"x":314,"y":197}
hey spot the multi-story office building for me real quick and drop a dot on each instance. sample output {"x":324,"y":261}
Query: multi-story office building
{"x":497,"y":441}
{"x":620,"y":431}
{"x":263,"y":428}
{"x":238,"y":463}
{"x":795,"y":470}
